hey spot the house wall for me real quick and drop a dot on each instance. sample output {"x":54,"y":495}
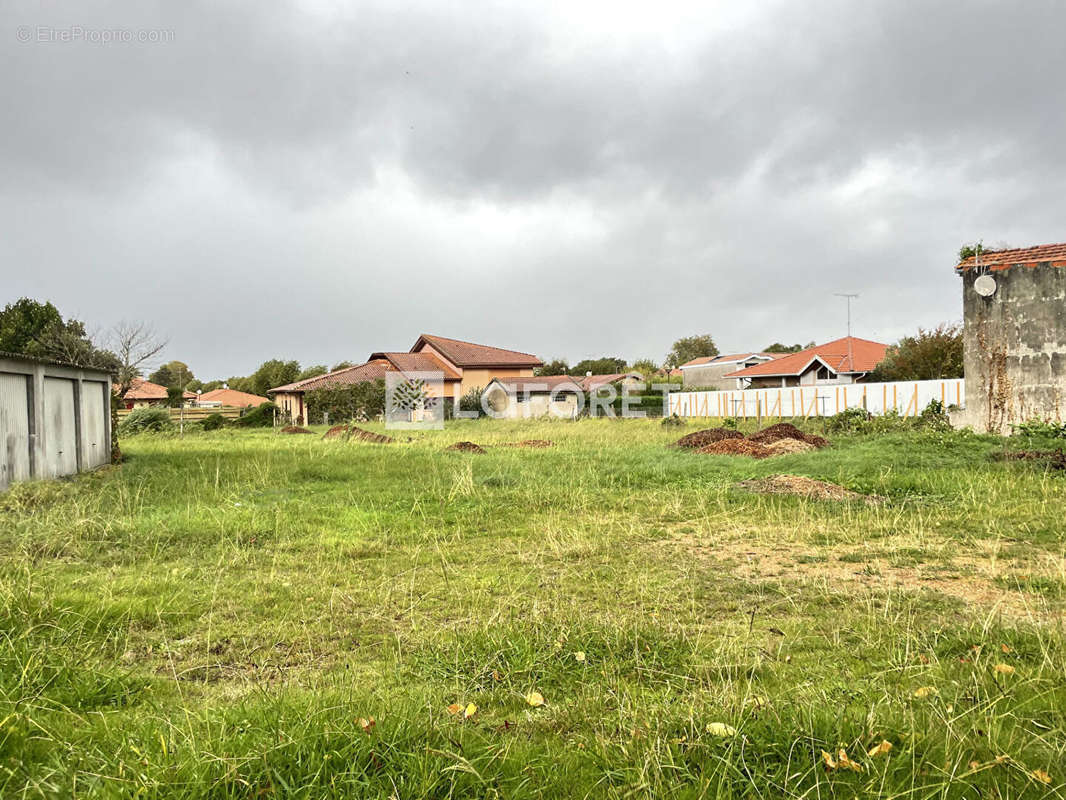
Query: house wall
{"x":291,"y":405}
{"x":710,"y":376}
{"x":1014,"y":346}
{"x":480,"y":378}
{"x":54,"y":420}
{"x":536,"y":405}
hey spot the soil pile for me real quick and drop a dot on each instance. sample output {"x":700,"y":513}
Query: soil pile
{"x":336,"y":432}
{"x":466,"y":447}
{"x":786,"y":430}
{"x":736,"y":447}
{"x":786,"y":446}
{"x":294,"y":429}
{"x":709,"y":436}
{"x":366,"y":436}
{"x":810,"y":488}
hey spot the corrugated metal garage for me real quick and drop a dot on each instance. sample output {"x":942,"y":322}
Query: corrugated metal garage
{"x":55,"y":419}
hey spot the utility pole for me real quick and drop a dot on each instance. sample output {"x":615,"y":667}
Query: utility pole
{"x":851,"y":355}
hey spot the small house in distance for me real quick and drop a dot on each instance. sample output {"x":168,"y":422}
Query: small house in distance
{"x":55,"y":418}
{"x":229,"y":398}
{"x":708,"y":372}
{"x":464,"y":366}
{"x":1014,"y":336}
{"x":145,"y":393}
{"x":840,"y":361}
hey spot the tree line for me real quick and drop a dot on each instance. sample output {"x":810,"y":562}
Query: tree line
{"x":38,"y":329}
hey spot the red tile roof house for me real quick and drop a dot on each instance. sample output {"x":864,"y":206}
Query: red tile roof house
{"x":465,"y":366}
{"x":846,"y":360}
{"x":709,"y":371}
{"x":230,"y":398}
{"x":145,"y":393}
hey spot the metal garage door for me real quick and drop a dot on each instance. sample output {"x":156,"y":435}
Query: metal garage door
{"x":60,"y":428}
{"x":94,"y":412}
{"x":14,"y":428}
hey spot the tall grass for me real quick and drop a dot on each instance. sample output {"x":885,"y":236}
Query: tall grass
{"x":243,"y":614}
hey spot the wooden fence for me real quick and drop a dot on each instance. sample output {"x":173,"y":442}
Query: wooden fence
{"x":907,"y":398}
{"x":180,"y":415}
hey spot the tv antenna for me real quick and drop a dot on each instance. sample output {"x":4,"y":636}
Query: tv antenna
{"x":849,"y":296}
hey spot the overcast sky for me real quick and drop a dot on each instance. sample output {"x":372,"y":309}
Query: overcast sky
{"x":317,"y":181}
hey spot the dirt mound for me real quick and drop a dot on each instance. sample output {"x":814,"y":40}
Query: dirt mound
{"x":786,"y":430}
{"x":531,"y":443}
{"x":709,"y":436}
{"x":736,"y":447}
{"x":787,"y":446}
{"x":466,"y":447}
{"x":294,"y":429}
{"x":366,"y":436}
{"x":336,"y":432}
{"x":810,"y":488}
{"x":1056,"y":459}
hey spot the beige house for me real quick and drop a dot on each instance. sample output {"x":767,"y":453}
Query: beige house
{"x":709,"y":372}
{"x":465,"y":366}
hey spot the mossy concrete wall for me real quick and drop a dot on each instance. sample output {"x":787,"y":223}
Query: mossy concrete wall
{"x":1015,"y":347}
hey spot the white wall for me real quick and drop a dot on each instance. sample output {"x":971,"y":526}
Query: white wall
{"x":908,"y":398}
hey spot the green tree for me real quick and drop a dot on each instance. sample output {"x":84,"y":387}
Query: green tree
{"x":688,"y":348}
{"x":173,"y":375}
{"x":38,"y":329}
{"x":645,"y":366}
{"x":778,"y":347}
{"x":23,"y":322}
{"x":311,"y":372}
{"x":929,"y":355}
{"x":272,"y":373}
{"x":599,"y":366}
{"x":557,"y":366}
{"x":341,"y":365}
{"x":365,"y":399}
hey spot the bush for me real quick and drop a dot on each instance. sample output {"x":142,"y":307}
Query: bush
{"x":212,"y":422}
{"x":356,"y":401}
{"x":1038,"y":428}
{"x":858,"y":420}
{"x":850,"y":420}
{"x":261,"y":417}
{"x":146,"y":419}
{"x":471,"y":401}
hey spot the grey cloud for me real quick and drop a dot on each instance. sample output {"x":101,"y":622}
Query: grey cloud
{"x":727,"y":180}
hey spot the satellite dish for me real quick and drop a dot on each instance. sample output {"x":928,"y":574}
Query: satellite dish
{"x":985,"y":285}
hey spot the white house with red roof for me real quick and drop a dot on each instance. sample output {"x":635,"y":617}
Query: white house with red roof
{"x":846,"y":360}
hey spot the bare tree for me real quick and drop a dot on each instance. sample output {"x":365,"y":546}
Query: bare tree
{"x":134,"y":343}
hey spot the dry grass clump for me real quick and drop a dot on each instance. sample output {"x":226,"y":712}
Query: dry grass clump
{"x":534,"y":443}
{"x":736,"y":447}
{"x":787,"y":446}
{"x":786,"y":430}
{"x":709,"y":436}
{"x":801,"y":486}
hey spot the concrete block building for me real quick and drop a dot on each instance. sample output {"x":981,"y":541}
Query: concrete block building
{"x":1014,"y":336}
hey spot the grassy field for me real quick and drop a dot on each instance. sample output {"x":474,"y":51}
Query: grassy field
{"x":246,"y":615}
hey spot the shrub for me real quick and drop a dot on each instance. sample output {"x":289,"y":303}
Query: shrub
{"x":356,"y":401}
{"x":1038,"y":428}
{"x":471,"y":401}
{"x":261,"y":417}
{"x":146,"y":419}
{"x":850,"y":420}
{"x":212,"y":422}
